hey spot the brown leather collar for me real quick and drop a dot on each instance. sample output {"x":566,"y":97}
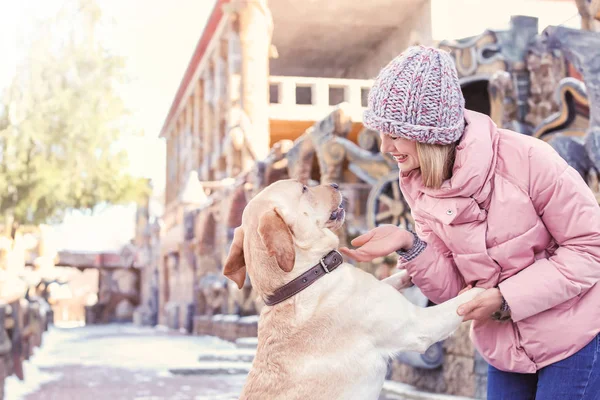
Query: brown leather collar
{"x":331,"y":261}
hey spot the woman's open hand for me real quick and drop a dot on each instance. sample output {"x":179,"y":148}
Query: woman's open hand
{"x":379,"y":242}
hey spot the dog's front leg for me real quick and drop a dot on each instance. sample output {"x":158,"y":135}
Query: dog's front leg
{"x":436,"y":323}
{"x":400,"y":280}
{"x":416,"y":328}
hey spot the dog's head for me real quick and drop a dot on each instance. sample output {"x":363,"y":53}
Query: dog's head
{"x":285,"y":223}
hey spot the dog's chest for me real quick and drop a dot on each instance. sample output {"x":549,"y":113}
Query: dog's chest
{"x":349,"y":371}
{"x":364,"y":378}
{"x":335,"y":367}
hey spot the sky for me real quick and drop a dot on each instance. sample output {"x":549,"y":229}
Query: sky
{"x":158,"y":37}
{"x":455,"y":19}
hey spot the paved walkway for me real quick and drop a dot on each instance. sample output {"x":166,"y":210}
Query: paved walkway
{"x":124,"y":362}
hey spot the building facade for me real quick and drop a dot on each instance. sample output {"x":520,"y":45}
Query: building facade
{"x":249,"y":92}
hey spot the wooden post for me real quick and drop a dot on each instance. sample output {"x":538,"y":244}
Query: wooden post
{"x":207,"y":125}
{"x":234,"y":92}
{"x":189,"y":145}
{"x":219,"y":81}
{"x":169,"y":167}
{"x":181,"y":149}
{"x":196,"y":129}
{"x":255,"y":32}
{"x":225,"y":105}
{"x":177,"y":143}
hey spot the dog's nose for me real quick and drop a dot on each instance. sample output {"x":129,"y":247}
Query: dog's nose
{"x":334,"y":185}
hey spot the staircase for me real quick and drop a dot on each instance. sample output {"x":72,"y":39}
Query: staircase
{"x":233,"y":361}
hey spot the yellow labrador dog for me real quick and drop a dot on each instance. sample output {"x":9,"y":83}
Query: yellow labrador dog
{"x":328,"y":328}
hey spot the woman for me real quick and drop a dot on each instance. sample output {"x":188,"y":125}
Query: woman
{"x":494,"y":209}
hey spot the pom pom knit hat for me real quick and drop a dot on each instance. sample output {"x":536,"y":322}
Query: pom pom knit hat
{"x":417,"y":96}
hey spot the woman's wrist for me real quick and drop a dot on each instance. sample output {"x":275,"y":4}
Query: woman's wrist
{"x":412,"y":246}
{"x":503,"y":312}
{"x":406,"y":239}
{"x":410,"y":239}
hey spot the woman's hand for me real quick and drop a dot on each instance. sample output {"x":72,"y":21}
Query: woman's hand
{"x":482,"y":306}
{"x":379,"y":242}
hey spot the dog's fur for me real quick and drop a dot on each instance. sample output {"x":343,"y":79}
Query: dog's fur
{"x":333,"y":339}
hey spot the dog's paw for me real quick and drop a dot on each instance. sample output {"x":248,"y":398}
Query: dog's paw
{"x":399,"y":281}
{"x":470,"y":294}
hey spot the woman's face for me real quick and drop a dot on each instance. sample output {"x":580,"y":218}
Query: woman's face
{"x":404,"y":151}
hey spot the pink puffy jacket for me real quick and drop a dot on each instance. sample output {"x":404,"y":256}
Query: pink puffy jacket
{"x":516,"y":216}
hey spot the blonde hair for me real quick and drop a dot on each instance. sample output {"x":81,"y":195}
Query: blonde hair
{"x":437,"y":162}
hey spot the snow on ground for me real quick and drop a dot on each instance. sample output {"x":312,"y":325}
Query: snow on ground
{"x":125,"y":362}
{"x":75,"y":361}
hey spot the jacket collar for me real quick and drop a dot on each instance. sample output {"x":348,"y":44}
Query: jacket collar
{"x":473,"y":167}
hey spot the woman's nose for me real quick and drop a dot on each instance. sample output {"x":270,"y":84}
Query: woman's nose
{"x":387,"y":144}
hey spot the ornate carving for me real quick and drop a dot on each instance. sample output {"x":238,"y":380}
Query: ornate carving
{"x":546,"y":69}
{"x":572,"y":115}
{"x":277,"y":163}
{"x":334,"y":149}
{"x":205,"y":236}
{"x":580,"y":48}
{"x":484,"y":56}
{"x":237,"y":143}
{"x":514,"y":44}
{"x":478,"y":55}
{"x":593,"y":180}
{"x":276,"y":166}
{"x":572,"y":151}
{"x":331,"y":153}
{"x":245,"y":301}
{"x":502,"y":105}
{"x":212,"y":295}
{"x":369,"y":140}
{"x":386,"y":205}
{"x":300,"y":157}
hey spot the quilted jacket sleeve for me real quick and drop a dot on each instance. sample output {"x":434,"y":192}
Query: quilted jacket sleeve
{"x":434,"y":271}
{"x":571,"y":214}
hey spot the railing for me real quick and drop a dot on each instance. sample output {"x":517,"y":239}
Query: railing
{"x":295,"y":98}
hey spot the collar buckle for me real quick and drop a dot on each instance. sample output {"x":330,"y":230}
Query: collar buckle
{"x":322,"y":261}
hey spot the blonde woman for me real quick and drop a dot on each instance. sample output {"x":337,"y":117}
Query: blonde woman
{"x":494,"y":209}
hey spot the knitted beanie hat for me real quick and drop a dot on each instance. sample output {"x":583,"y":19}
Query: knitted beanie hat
{"x":417,"y":96}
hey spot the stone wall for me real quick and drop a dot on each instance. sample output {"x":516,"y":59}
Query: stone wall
{"x":227,"y":327}
{"x":118,"y":295}
{"x":463,"y":373}
{"x":178,"y":276}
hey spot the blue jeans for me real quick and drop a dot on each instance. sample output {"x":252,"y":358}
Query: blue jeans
{"x":574,"y":378}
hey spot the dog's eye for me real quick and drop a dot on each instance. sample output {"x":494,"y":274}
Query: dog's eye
{"x":304,"y":189}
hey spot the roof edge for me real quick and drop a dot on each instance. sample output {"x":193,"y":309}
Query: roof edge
{"x":209,"y":30}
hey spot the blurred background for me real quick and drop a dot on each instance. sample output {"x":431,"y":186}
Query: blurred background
{"x":133,"y":133}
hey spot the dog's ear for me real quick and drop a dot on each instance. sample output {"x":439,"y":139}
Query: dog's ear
{"x":235,"y":265}
{"x":278,"y":240}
